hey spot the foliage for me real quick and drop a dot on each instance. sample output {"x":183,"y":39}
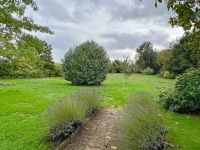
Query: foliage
{"x":188,"y":13}
{"x":90,"y":100}
{"x":185,"y":97}
{"x":70,"y":112}
{"x":127,"y":67}
{"x":13,"y":21}
{"x":31,"y":57}
{"x":148,"y":71}
{"x":142,"y":126}
{"x":110,"y":67}
{"x":183,"y":54}
{"x":24,"y":55}
{"x":163,"y":60}
{"x":58,"y":70}
{"x":117,"y":66}
{"x":168,"y":75}
{"x":146,"y":56}
{"x":86,"y":64}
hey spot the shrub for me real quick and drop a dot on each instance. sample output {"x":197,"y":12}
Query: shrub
{"x":69,"y":113}
{"x":142,"y":125}
{"x":168,"y":75}
{"x":185,"y":97}
{"x":89,"y":99}
{"x":148,"y":71}
{"x":86,"y":64}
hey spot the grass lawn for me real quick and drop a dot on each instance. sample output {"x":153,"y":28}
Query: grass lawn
{"x":23,"y":105}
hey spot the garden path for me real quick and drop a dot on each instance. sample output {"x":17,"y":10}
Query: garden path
{"x":100,"y":133}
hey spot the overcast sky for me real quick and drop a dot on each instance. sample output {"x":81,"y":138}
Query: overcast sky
{"x":120,"y":26}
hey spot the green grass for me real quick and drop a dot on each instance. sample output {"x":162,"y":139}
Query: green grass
{"x":22,"y":107}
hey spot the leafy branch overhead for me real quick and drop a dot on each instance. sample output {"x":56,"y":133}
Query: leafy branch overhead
{"x":13,"y":21}
{"x":187,"y":13}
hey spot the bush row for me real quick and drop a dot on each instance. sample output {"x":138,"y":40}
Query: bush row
{"x":26,"y":73}
{"x":142,"y":126}
{"x":69,"y":113}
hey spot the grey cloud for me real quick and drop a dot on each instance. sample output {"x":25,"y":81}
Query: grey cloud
{"x":117,"y":25}
{"x":132,"y":41}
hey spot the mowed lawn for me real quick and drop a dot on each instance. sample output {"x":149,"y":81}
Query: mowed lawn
{"x":23,"y":105}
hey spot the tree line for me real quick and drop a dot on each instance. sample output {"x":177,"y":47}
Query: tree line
{"x":23,"y":55}
{"x":183,"y":54}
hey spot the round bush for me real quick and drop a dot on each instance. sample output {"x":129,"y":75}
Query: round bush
{"x":86,"y":64}
{"x":185,"y":97}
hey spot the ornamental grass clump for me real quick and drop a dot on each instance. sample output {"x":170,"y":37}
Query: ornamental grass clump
{"x":90,"y":100}
{"x":71,"y":112}
{"x":142,"y":126}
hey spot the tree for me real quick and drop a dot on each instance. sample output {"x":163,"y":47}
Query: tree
{"x":86,"y":64}
{"x":127,"y":67}
{"x":117,"y":66}
{"x":43,"y":49}
{"x":163,"y":60}
{"x":146,"y":57}
{"x":188,"y":13}
{"x":14,"y":40}
{"x":185,"y":54}
{"x":13,"y":21}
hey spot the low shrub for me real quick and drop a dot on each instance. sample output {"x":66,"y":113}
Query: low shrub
{"x":148,"y":71}
{"x":69,"y":113}
{"x":185,"y":97}
{"x":142,"y":126}
{"x":168,"y":75}
{"x":89,"y":99}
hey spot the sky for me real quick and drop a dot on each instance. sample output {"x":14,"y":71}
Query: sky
{"x":120,"y":26}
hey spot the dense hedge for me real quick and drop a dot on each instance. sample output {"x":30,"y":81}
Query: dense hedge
{"x":86,"y":64}
{"x":185,"y":97}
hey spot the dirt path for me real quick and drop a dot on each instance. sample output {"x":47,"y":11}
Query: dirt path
{"x":99,"y":134}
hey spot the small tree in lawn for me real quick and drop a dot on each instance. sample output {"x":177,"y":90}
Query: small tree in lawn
{"x":127,"y":67}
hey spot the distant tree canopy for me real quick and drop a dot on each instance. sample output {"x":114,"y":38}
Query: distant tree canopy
{"x":146,"y":56}
{"x":188,"y":13}
{"x":182,"y":55}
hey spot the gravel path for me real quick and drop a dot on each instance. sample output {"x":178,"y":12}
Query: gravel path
{"x":99,"y":134}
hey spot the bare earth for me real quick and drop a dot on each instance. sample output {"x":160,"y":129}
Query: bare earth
{"x":99,"y":134}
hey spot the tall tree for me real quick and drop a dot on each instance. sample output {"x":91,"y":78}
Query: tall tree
{"x":163,"y":60}
{"x":21,"y":52}
{"x":127,"y":67}
{"x":185,"y":54}
{"x":146,"y":57}
{"x":43,"y":49}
